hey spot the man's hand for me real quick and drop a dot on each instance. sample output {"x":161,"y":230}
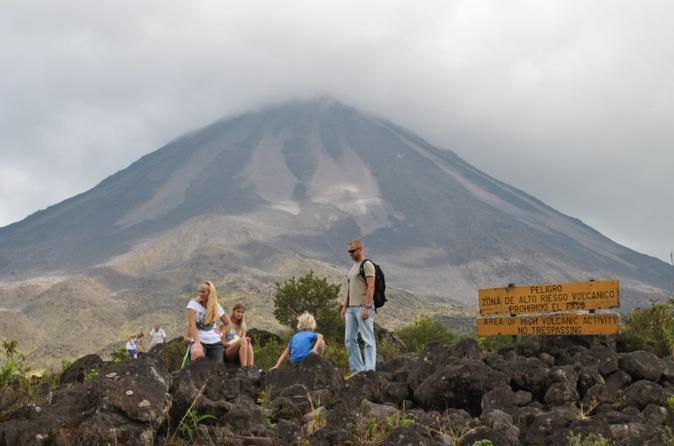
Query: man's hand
{"x":365,"y":314}
{"x":342,"y":313}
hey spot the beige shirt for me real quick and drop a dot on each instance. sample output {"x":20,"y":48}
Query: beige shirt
{"x":357,"y":286}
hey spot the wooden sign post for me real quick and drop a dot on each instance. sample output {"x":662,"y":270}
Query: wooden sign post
{"x":539,"y":301}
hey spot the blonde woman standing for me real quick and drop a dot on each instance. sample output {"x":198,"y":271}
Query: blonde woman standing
{"x":234,"y":338}
{"x":202,"y":314}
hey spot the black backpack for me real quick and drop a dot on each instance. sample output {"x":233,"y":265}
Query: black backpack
{"x":379,"y":283}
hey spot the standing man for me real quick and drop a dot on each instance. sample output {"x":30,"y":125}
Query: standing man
{"x":157,"y":335}
{"x":358,"y":311}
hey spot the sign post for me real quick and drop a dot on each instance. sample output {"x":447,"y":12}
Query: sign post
{"x":550,"y":309}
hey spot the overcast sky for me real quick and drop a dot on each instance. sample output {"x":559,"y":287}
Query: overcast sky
{"x":571,"y":101}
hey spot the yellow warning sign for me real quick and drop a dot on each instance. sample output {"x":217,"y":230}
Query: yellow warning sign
{"x":549,"y":298}
{"x":561,"y":324}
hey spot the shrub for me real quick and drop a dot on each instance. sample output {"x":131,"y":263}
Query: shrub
{"x":13,"y":370}
{"x":266,"y":356}
{"x":119,"y":355}
{"x":651,"y":328}
{"x":387,"y":349}
{"x":494,"y":343}
{"x":313,"y":294}
{"x":90,"y":374}
{"x":336,"y":352}
{"x":191,"y":425}
{"x":668,"y":436}
{"x":422,"y":331}
{"x":670,"y":403}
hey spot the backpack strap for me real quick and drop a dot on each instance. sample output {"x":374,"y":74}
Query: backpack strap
{"x":362,"y":269}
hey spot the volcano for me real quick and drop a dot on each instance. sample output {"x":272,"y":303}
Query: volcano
{"x":304,"y":178}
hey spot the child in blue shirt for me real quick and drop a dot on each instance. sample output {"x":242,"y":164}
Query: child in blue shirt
{"x":304,"y":342}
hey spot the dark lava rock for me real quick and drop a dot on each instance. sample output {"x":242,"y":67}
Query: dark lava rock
{"x":314,"y":372}
{"x":560,"y":393}
{"x":642,"y":393}
{"x":169,"y":354}
{"x":501,"y":398}
{"x":459,"y":385}
{"x":604,"y":358}
{"x":466,"y":348}
{"x":548,"y":423}
{"x":642,"y":365}
{"x":126,"y":406}
{"x":415,"y":435}
{"x":86,"y":363}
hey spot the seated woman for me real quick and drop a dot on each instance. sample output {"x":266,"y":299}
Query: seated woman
{"x":304,"y":342}
{"x":202,"y":312}
{"x":234,"y":339}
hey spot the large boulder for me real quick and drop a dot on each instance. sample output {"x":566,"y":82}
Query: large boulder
{"x":547,"y":423}
{"x":503,"y":423}
{"x":528,"y":374}
{"x":124,"y":406}
{"x":619,"y":379}
{"x":560,"y":393}
{"x":641,"y":394}
{"x":80,"y":367}
{"x":211,"y":389}
{"x":435,"y":355}
{"x":602,"y":357}
{"x":642,"y":365}
{"x":315,"y":372}
{"x":377,"y":387}
{"x":459,"y":385}
{"x":400,"y":367}
{"x":502,"y":398}
{"x":169,"y":354}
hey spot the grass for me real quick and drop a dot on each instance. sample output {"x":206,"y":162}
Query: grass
{"x":577,"y":439}
{"x":370,"y":432}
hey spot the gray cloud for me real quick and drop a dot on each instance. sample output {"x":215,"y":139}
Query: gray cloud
{"x":571,"y":101}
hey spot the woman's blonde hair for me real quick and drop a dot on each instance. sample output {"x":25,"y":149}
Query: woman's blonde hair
{"x":306,"y":321}
{"x":212,"y":306}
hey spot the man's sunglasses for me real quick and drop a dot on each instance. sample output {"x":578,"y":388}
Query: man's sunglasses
{"x":351,"y":251}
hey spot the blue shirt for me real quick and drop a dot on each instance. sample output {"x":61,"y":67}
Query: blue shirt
{"x":301,"y":344}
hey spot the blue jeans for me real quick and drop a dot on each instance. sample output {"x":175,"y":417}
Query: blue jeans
{"x":354,"y":325}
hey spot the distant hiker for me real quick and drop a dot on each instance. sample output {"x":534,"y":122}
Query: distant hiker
{"x":234,"y":338}
{"x":157,"y":335}
{"x":357,"y":310}
{"x":202,"y":313}
{"x":133,"y":344}
{"x":304,"y":342}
